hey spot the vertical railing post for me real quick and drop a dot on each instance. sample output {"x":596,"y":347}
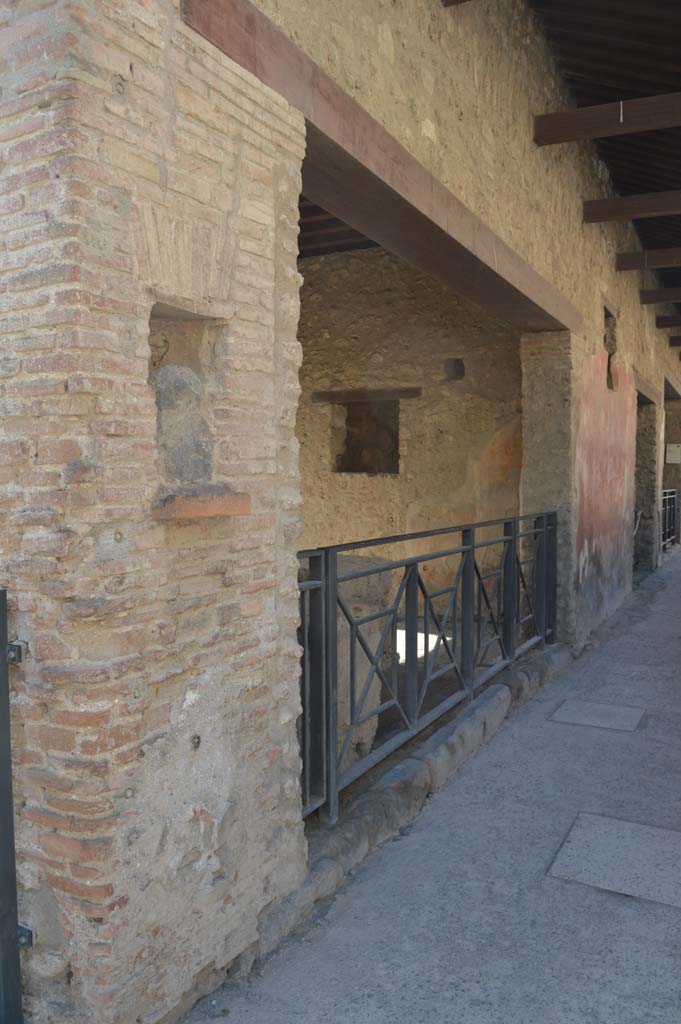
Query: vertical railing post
{"x":468,"y":608}
{"x":410,"y":694}
{"x":329,"y":810}
{"x":510,"y":588}
{"x":540,"y":575}
{"x":551,"y":577}
{"x":10,"y":974}
{"x":315,"y":712}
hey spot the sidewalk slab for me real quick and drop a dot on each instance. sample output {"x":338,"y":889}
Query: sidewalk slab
{"x":598,"y":716}
{"x":623,"y":857}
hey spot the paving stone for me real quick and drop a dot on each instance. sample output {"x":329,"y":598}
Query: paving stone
{"x":599,"y":716}
{"x":623,"y":857}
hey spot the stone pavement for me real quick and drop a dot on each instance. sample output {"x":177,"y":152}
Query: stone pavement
{"x":527,"y":891}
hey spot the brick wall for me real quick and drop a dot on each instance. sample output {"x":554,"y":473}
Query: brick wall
{"x":154,"y":717}
{"x":458,"y":87}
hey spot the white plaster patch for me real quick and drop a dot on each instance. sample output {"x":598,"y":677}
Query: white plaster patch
{"x":429,"y":130}
{"x":623,"y":857}
{"x":599,"y":716}
{"x":191,"y":697}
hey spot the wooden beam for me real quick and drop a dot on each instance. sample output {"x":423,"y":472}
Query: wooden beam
{"x":365,"y":395}
{"x":606,"y":119}
{"x":358,"y":172}
{"x":675,"y":342}
{"x":668,"y":321}
{"x":658,"y":296}
{"x":649,"y":259}
{"x":650,"y":204}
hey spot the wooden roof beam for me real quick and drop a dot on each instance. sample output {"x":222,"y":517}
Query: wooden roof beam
{"x":606,"y":119}
{"x":675,"y":342}
{"x":650,"y":204}
{"x":658,"y":296}
{"x":649,"y":259}
{"x":363,"y":176}
{"x":668,"y":321}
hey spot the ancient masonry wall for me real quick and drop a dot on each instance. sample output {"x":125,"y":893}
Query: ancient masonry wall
{"x":647,"y":488}
{"x":370,"y":321}
{"x":458,"y":87}
{"x":154,"y":717}
{"x":672,"y":435}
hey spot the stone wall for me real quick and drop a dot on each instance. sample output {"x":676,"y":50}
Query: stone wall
{"x":143,"y":173}
{"x":646,"y":491}
{"x":458,"y":87}
{"x":369,"y":321}
{"x":154,"y":716}
{"x":672,"y":435}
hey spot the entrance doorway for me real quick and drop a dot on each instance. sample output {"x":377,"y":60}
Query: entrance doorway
{"x":646,"y":515}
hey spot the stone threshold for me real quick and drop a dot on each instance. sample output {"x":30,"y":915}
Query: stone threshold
{"x":392,"y":796}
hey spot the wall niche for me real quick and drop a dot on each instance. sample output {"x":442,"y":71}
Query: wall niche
{"x":181,"y":347}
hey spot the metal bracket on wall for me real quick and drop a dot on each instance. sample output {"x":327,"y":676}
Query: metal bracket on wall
{"x":25,"y":937}
{"x":14,"y":654}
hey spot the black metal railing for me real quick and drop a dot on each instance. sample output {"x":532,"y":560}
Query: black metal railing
{"x":669,"y":519}
{"x":10,"y":976}
{"x":399,"y":630}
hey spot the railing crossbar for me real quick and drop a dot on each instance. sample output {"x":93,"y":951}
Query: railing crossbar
{"x":426,"y":649}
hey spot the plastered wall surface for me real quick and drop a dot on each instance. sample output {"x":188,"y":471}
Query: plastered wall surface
{"x":370,"y":321}
{"x":158,"y":805}
{"x":458,"y":87}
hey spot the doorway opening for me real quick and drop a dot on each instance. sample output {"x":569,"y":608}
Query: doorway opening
{"x":646,"y":515}
{"x":671,"y":474}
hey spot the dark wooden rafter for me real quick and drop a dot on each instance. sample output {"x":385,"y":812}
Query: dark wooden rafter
{"x":650,"y":204}
{"x":320,"y":233}
{"x":649,"y":259}
{"x":608,"y":119}
{"x":675,"y":341}
{"x":358,"y":172}
{"x":668,"y":321}
{"x":619,"y":60}
{"x":658,"y":296}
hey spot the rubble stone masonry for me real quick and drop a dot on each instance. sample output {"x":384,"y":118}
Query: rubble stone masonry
{"x":460,"y":440}
{"x":148,"y":243}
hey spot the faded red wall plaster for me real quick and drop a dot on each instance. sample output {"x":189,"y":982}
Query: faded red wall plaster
{"x":605,"y":460}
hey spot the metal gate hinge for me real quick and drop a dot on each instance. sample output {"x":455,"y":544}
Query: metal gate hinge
{"x":14,"y":654}
{"x":25,"y":937}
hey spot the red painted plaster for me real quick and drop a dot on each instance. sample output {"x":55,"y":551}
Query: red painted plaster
{"x":605,"y":466}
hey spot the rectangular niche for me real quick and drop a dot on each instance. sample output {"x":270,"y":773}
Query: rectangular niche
{"x":181,"y":347}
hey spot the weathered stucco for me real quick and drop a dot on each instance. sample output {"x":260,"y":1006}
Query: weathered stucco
{"x":158,"y":803}
{"x":369,"y":321}
{"x":458,"y":87}
{"x":606,"y":436}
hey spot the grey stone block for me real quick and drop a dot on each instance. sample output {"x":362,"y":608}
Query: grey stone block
{"x":599,"y":716}
{"x":623,"y":857}
{"x":411,"y":785}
